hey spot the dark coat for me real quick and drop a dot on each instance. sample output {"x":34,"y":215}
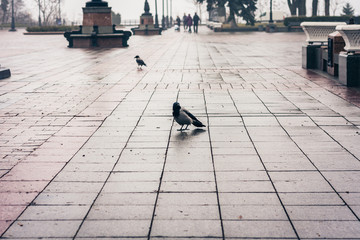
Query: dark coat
{"x":189,"y":21}
{"x":196,"y":19}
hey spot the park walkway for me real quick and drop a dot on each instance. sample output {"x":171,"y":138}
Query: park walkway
{"x":89,"y":149}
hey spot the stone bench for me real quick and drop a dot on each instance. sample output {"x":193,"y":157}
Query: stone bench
{"x":318,"y":32}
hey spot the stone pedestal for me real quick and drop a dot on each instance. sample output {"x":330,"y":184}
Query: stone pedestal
{"x":349,"y":69}
{"x":311,"y":57}
{"x":4,"y":73}
{"x":97,"y":29}
{"x":146,"y":26}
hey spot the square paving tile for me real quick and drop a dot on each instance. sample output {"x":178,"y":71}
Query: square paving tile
{"x":186,"y":228}
{"x":114,"y":228}
{"x":42,"y":229}
{"x":258,"y":229}
{"x":328,"y":229}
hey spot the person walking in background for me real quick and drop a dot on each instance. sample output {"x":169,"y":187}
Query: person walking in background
{"x":189,"y":22}
{"x":178,"y":21}
{"x":185,"y":21}
{"x":196,"y":20}
{"x":177,"y":24}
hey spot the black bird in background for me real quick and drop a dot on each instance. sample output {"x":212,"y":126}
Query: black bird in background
{"x":184,"y":117}
{"x":140,"y":62}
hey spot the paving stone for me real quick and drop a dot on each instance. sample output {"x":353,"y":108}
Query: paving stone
{"x":320,"y":213}
{"x":186,"y":228}
{"x":42,"y":229}
{"x":126,"y":199}
{"x":123,"y":212}
{"x":328,"y":229}
{"x":300,"y":182}
{"x":245,"y":199}
{"x":253,"y":212}
{"x":66,"y":198}
{"x":187,"y":212}
{"x":258,"y":229}
{"x":316,"y":198}
{"x":54,"y":213}
{"x":245,"y":186}
{"x":131,"y":187}
{"x":114,"y":228}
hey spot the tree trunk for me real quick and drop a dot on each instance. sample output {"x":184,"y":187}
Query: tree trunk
{"x":4,"y":17}
{"x":302,"y":7}
{"x":292,"y":7}
{"x":231,"y":18}
{"x":327,"y":7}
{"x":315,"y":7}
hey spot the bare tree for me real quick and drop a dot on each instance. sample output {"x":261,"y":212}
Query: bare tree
{"x":335,"y":4}
{"x":4,"y":7}
{"x":47,"y":10}
{"x":327,"y":7}
{"x":315,"y":4}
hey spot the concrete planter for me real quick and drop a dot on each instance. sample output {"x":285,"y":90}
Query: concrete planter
{"x":318,"y":32}
{"x":351,"y":35}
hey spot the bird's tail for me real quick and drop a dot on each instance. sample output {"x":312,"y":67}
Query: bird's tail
{"x":198,"y":124}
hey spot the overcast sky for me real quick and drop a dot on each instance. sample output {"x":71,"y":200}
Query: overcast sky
{"x":132,"y":9}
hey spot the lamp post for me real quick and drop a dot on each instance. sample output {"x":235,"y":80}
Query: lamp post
{"x":163,"y":16}
{"x":59,"y":13}
{"x":39,"y":13}
{"x":12,"y":29}
{"x":271,"y":13}
{"x":171,"y":18}
{"x":167,"y":14}
{"x":156,"y":16}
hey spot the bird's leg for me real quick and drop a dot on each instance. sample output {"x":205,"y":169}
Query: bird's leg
{"x":181,"y":128}
{"x":186,"y":127}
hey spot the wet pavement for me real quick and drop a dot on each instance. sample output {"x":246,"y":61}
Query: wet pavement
{"x":89,"y":149}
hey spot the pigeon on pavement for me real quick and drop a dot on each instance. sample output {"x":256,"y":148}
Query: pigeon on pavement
{"x":184,"y":117}
{"x":139,"y":61}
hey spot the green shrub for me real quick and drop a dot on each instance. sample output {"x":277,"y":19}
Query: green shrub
{"x":293,"y":21}
{"x":51,"y":29}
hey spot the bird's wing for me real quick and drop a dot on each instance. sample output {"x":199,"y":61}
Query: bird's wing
{"x":196,"y":122}
{"x":140,"y":62}
{"x":189,"y":114}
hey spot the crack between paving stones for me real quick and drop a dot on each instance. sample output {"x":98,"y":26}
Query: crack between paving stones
{"x":213,"y":163}
{"x":266,"y":170}
{"x":161,"y":176}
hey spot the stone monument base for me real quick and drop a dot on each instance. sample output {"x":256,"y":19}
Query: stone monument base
{"x":99,"y":40}
{"x":4,"y":73}
{"x":349,"y":70}
{"x":146,"y":31}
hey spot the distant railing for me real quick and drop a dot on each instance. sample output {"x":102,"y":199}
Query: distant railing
{"x":130,"y":22}
{"x":318,"y":32}
{"x":351,"y":35}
